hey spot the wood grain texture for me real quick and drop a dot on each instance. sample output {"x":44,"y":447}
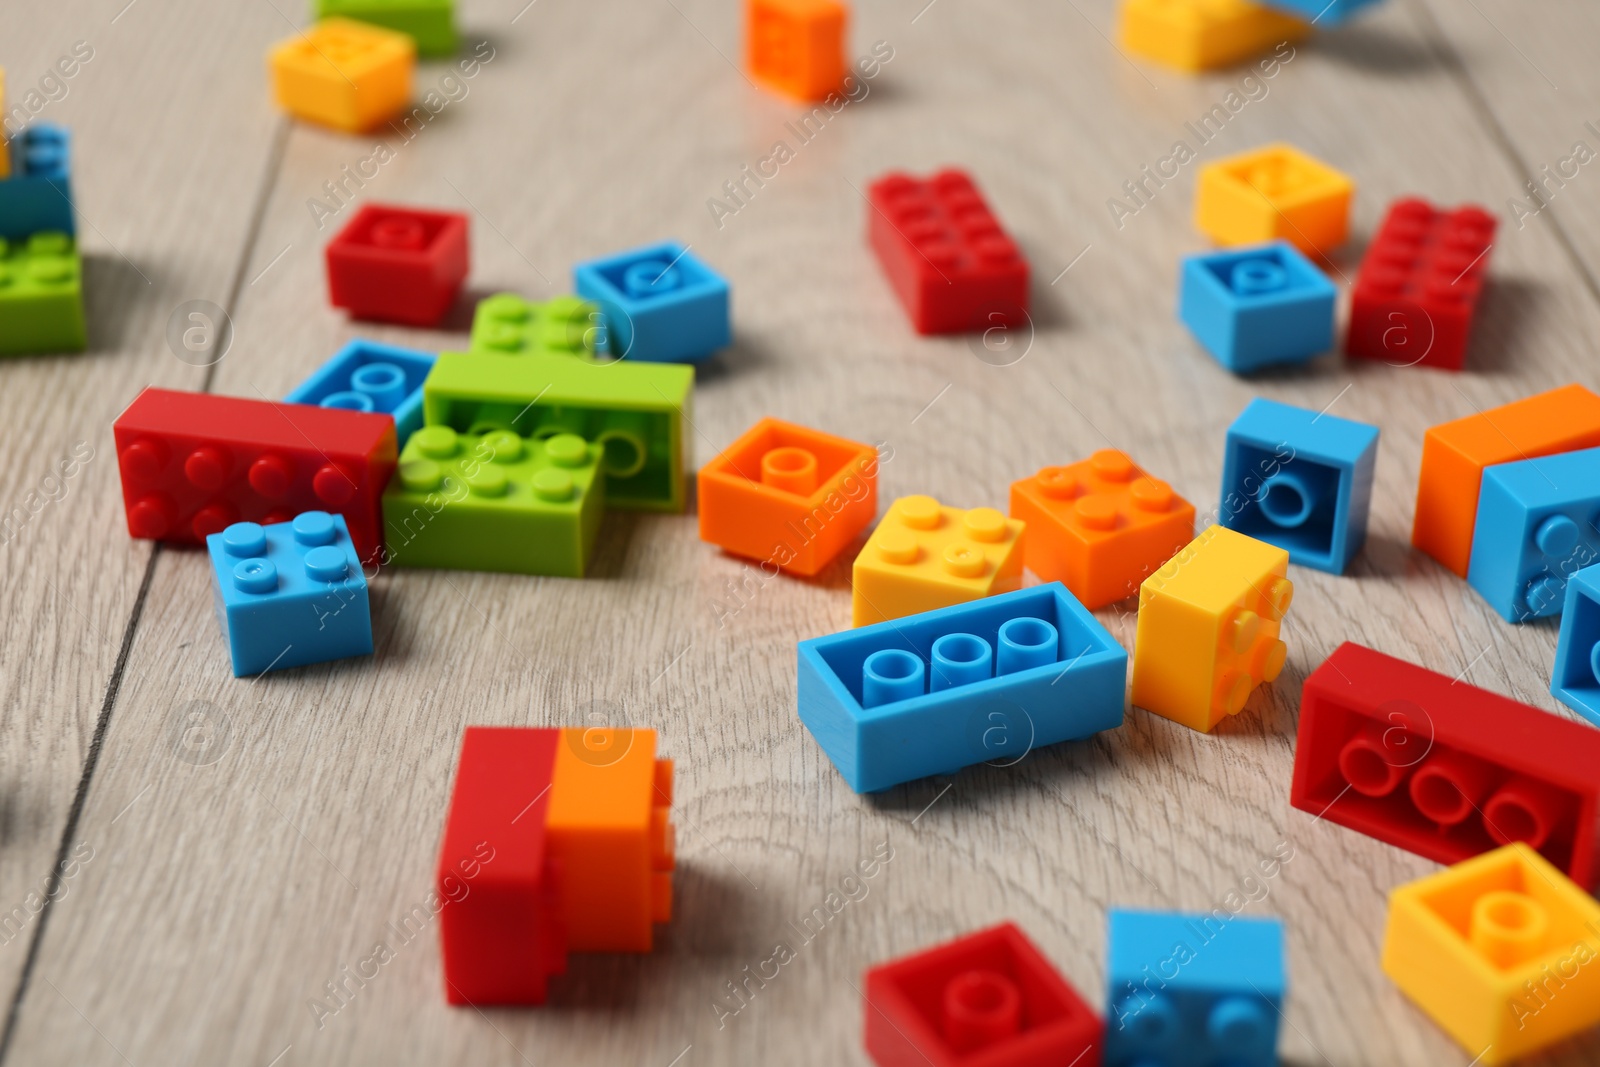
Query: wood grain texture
{"x":223,"y":896}
{"x":163,"y":217}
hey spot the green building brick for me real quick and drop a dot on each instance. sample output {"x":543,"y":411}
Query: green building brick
{"x":41,"y":296}
{"x":494,"y":502}
{"x":507,"y":325}
{"x":635,"y":412}
{"x":430,"y":23}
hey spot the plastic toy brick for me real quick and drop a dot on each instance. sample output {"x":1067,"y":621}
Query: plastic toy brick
{"x":789,"y":495}
{"x":507,"y":325}
{"x":950,"y":263}
{"x":495,"y":502}
{"x":1324,"y":13}
{"x":430,"y":23}
{"x":502,"y":936}
{"x":1534,"y":531}
{"x":398,"y":264}
{"x":634,"y":411}
{"x":1257,"y":307}
{"x":1274,"y":192}
{"x":194,"y":463}
{"x":1301,"y":480}
{"x":1208,"y":628}
{"x":797,"y":46}
{"x":289,"y":594}
{"x":37,"y":197}
{"x":610,"y":835}
{"x":368,"y":376}
{"x":1495,"y":951}
{"x":1197,"y":35}
{"x":932,"y":693}
{"x":1575,"y":678}
{"x":1193,"y":990}
{"x":659,"y":303}
{"x":569,"y":835}
{"x":41,"y":296}
{"x":1100,"y":526}
{"x":988,"y":999}
{"x":1417,"y":291}
{"x":924,"y":556}
{"x":1441,"y":768}
{"x":1455,"y":454}
{"x":352,"y":76}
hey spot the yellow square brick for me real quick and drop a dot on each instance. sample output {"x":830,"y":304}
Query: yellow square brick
{"x":1502,"y":951}
{"x":1196,"y":35}
{"x":924,"y":556}
{"x":350,"y":75}
{"x":1208,"y":628}
{"x":1272,"y":192}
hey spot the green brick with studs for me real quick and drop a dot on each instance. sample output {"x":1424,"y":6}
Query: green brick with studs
{"x":495,"y":501}
{"x":507,"y":325}
{"x":41,"y":296}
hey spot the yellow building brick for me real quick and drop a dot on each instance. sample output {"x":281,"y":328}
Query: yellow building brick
{"x":1502,"y":951}
{"x":1272,"y":192}
{"x":924,"y":556}
{"x":349,"y":75}
{"x":1208,"y":628}
{"x":1196,"y":35}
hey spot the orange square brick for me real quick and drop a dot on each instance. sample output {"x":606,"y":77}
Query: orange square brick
{"x":788,"y":495}
{"x":1100,"y":527}
{"x":797,"y":46}
{"x":608,"y":831}
{"x":1454,"y":455}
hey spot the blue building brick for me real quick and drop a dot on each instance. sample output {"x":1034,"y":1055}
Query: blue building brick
{"x":988,"y":680}
{"x":1325,"y":13}
{"x":1301,"y":480}
{"x":1575,"y":678}
{"x":38,"y":195}
{"x":1535,"y":530}
{"x":1193,"y":990}
{"x":1258,"y":306}
{"x":289,"y":594}
{"x":660,"y":304}
{"x":368,"y":376}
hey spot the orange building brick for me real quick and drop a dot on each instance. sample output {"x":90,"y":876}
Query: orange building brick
{"x":797,"y":46}
{"x":1454,"y":455}
{"x":608,"y":831}
{"x":788,"y":495}
{"x":1100,"y":526}
{"x":924,"y":555}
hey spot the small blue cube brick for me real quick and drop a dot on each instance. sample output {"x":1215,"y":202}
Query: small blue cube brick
{"x":1193,"y":990}
{"x":38,"y":195}
{"x":1258,"y":306}
{"x":1535,"y":529}
{"x":373,"y":377}
{"x":1301,"y":480}
{"x":985,"y":681}
{"x":289,"y":594}
{"x":1575,"y":678}
{"x":660,"y":304}
{"x":1323,"y":13}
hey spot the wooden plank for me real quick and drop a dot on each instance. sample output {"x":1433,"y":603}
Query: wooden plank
{"x":1537,"y":95}
{"x":163,"y":217}
{"x":232,"y":893}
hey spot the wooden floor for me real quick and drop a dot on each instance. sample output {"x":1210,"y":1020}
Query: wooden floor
{"x":207,"y":892}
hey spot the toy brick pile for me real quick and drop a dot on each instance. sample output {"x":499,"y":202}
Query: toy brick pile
{"x":506,"y":457}
{"x":41,"y":274}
